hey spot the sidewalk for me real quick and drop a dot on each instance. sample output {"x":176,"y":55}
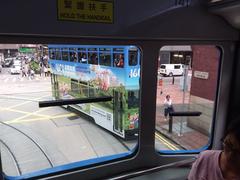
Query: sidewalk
{"x":186,"y":137}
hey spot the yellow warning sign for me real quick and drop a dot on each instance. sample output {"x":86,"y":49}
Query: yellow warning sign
{"x":94,"y":11}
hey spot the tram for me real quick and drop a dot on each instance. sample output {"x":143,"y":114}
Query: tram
{"x":89,"y":71}
{"x":201,"y":34}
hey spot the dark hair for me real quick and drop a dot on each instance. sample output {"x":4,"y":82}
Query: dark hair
{"x":234,"y":128}
{"x":231,"y":138}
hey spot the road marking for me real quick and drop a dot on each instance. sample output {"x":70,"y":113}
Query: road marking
{"x":29,"y":114}
{"x":28,"y":101}
{"x":40,"y":119}
{"x":166,"y":142}
{"x":16,"y":98}
{"x":14,"y":79}
{"x":22,"y":112}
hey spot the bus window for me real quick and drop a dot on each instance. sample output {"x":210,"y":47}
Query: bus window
{"x":118,"y":60}
{"x":132,"y":58}
{"x":105,"y":58}
{"x":92,"y":58}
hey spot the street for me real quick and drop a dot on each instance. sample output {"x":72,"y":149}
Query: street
{"x":62,"y":135}
{"x":36,"y":138}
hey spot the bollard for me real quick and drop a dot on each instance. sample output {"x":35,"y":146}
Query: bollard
{"x":160,"y":83}
{"x":173,"y":80}
{"x":170,"y":124}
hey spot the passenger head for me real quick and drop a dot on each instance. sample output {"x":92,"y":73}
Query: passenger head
{"x":231,"y":144}
{"x":167,"y":96}
{"x":120,"y":56}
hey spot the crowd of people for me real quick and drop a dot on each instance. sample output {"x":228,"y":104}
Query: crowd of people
{"x":27,"y":69}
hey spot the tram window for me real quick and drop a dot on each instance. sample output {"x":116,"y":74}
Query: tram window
{"x":73,"y":56}
{"x":65,"y":56}
{"x":92,"y":58}
{"x":118,"y":49}
{"x":105,"y":49}
{"x":58,"y":54}
{"x":81,"y":49}
{"x":82,"y":57}
{"x":73,"y":49}
{"x":52,"y":53}
{"x":132,"y":58}
{"x":118,"y":60}
{"x":184,"y":86}
{"x":105,"y":58}
{"x":67,"y":136}
{"x":92,"y":49}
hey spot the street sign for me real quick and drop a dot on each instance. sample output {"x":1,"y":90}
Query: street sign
{"x":91,"y":11}
{"x":26,"y":50}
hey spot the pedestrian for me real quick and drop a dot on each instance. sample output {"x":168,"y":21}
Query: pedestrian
{"x":168,"y":107}
{"x":220,"y":164}
{"x":45,"y":71}
{"x":32,"y":73}
{"x":24,"y":72}
{"x":41,"y":69}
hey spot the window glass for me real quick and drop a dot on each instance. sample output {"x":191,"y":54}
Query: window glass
{"x":133,"y":55}
{"x":58,"y":54}
{"x":82,"y":57}
{"x":118,"y":49}
{"x":118,"y":60}
{"x":92,"y":58}
{"x":52,"y":53}
{"x":81,"y":49}
{"x":179,"y":89}
{"x":105,"y":58}
{"x":35,"y":139}
{"x":73,"y":56}
{"x":92,"y":49}
{"x":65,"y":55}
{"x":105,"y":49}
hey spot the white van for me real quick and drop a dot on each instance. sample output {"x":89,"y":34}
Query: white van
{"x":16,"y":69}
{"x":171,"y":69}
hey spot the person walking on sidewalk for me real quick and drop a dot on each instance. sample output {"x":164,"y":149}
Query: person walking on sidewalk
{"x":167,"y":106}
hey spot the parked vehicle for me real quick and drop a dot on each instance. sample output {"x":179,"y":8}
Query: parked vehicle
{"x":171,"y":69}
{"x":17,"y":62}
{"x":8,"y":62}
{"x":16,"y":69}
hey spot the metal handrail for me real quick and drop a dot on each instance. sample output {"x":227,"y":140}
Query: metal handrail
{"x":62,"y":102}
